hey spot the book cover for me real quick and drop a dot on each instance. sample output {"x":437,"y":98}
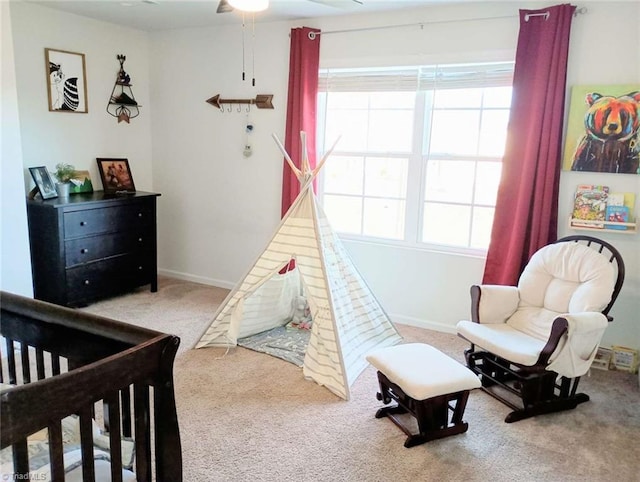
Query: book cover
{"x":590,"y":206}
{"x":630,"y":202}
{"x":615,"y":199}
{"x":617,"y":214}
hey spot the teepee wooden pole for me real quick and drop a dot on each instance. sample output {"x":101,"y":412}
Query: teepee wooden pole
{"x":304,"y":163}
{"x":325,"y":157}
{"x":293,"y":167}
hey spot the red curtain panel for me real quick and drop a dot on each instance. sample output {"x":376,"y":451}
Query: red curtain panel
{"x":304,"y":59}
{"x":527,"y":203}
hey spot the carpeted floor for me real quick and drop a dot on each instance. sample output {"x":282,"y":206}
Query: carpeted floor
{"x":246,"y":416}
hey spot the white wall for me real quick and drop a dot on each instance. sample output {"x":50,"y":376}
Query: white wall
{"x":214,"y":233}
{"x":16,"y":266}
{"x":217,"y":208}
{"x":52,"y":137}
{"x":591,"y":61}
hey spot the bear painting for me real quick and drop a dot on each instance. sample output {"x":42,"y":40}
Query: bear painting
{"x":604,"y":130}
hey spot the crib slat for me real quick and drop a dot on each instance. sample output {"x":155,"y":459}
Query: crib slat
{"x":86,"y":445}
{"x":21,"y":460}
{"x":1,"y":370}
{"x":125,"y":398}
{"x":11,"y":362}
{"x":142,"y":437}
{"x":55,"y":364}
{"x":26,"y":366}
{"x":115,"y":436}
{"x":40,"y":363}
{"x":56,"y":452}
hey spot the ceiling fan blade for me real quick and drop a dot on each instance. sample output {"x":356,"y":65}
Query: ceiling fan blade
{"x":224,"y":7}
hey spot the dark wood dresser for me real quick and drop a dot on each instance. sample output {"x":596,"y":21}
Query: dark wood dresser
{"x":92,"y":245}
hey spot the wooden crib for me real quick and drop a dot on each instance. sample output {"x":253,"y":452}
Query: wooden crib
{"x":111,"y":381}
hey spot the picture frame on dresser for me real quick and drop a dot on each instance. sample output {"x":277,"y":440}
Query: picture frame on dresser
{"x":116,"y":175}
{"x":44,"y":182}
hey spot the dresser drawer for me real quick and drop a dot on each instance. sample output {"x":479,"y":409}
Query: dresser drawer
{"x":91,"y":248}
{"x":108,"y":276}
{"x":107,"y":220}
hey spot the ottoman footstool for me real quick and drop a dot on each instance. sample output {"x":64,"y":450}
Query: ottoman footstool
{"x":425,"y":383}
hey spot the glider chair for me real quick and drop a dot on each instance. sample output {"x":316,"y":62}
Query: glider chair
{"x":531,"y":343}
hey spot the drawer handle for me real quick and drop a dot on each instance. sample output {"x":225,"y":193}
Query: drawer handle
{"x":139,"y":215}
{"x":87,"y":282}
{"x":84,"y":250}
{"x":139,"y":268}
{"x":139,"y":240}
{"x":83,"y":223}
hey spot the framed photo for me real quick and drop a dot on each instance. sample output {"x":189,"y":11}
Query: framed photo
{"x":44,"y":182}
{"x":66,"y":81}
{"x":116,"y":175}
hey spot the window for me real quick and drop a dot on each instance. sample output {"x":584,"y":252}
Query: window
{"x":419,"y":159}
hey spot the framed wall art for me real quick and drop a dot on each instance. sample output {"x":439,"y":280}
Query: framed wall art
{"x":66,"y":81}
{"x":116,"y":175}
{"x":44,"y":182}
{"x":603,"y":133}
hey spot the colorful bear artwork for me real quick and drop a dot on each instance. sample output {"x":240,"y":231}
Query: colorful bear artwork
{"x":607,"y":138}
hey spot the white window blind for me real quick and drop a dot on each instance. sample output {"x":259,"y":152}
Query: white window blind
{"x":403,"y":79}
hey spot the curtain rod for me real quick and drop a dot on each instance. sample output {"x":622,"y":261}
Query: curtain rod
{"x":313,"y":35}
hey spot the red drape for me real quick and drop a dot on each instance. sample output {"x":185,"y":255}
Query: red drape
{"x":526,"y":212}
{"x":304,"y":58}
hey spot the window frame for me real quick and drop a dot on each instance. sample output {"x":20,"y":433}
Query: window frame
{"x":415,"y":196}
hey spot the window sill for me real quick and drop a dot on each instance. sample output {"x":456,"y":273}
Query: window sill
{"x":431,"y":248}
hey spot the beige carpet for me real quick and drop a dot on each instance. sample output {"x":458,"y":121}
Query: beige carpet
{"x":246,"y":416}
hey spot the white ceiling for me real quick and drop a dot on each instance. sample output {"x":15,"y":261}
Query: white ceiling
{"x":169,"y":14}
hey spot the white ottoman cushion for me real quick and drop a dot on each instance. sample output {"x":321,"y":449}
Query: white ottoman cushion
{"x":422,"y":371}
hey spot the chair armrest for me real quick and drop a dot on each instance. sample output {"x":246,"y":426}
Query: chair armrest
{"x":558,"y":329}
{"x":574,"y":340}
{"x":493,"y":303}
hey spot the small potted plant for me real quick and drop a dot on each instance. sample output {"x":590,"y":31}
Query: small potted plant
{"x":64,"y":173}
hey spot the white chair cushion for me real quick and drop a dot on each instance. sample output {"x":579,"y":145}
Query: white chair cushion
{"x":503,"y":340}
{"x":422,"y":371}
{"x":533,"y":321}
{"x":561,"y":278}
{"x":497,"y":303}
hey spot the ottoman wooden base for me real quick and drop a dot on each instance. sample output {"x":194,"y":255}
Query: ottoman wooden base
{"x":425,"y":383}
{"x":431,"y":414}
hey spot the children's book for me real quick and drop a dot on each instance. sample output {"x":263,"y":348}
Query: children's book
{"x":620,"y":209}
{"x":617,"y":214}
{"x":590,"y":206}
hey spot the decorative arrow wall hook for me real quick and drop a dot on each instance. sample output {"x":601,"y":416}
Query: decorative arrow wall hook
{"x":261,"y":101}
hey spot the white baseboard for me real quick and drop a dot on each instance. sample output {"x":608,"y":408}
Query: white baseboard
{"x":396,"y":318}
{"x":196,"y":279}
{"x":421,"y":323}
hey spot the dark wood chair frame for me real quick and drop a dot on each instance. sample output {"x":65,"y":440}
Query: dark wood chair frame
{"x":432,"y":414}
{"x":126,"y":370}
{"x":533,"y":390}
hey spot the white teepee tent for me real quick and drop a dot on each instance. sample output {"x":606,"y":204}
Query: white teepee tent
{"x":348,"y":321}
